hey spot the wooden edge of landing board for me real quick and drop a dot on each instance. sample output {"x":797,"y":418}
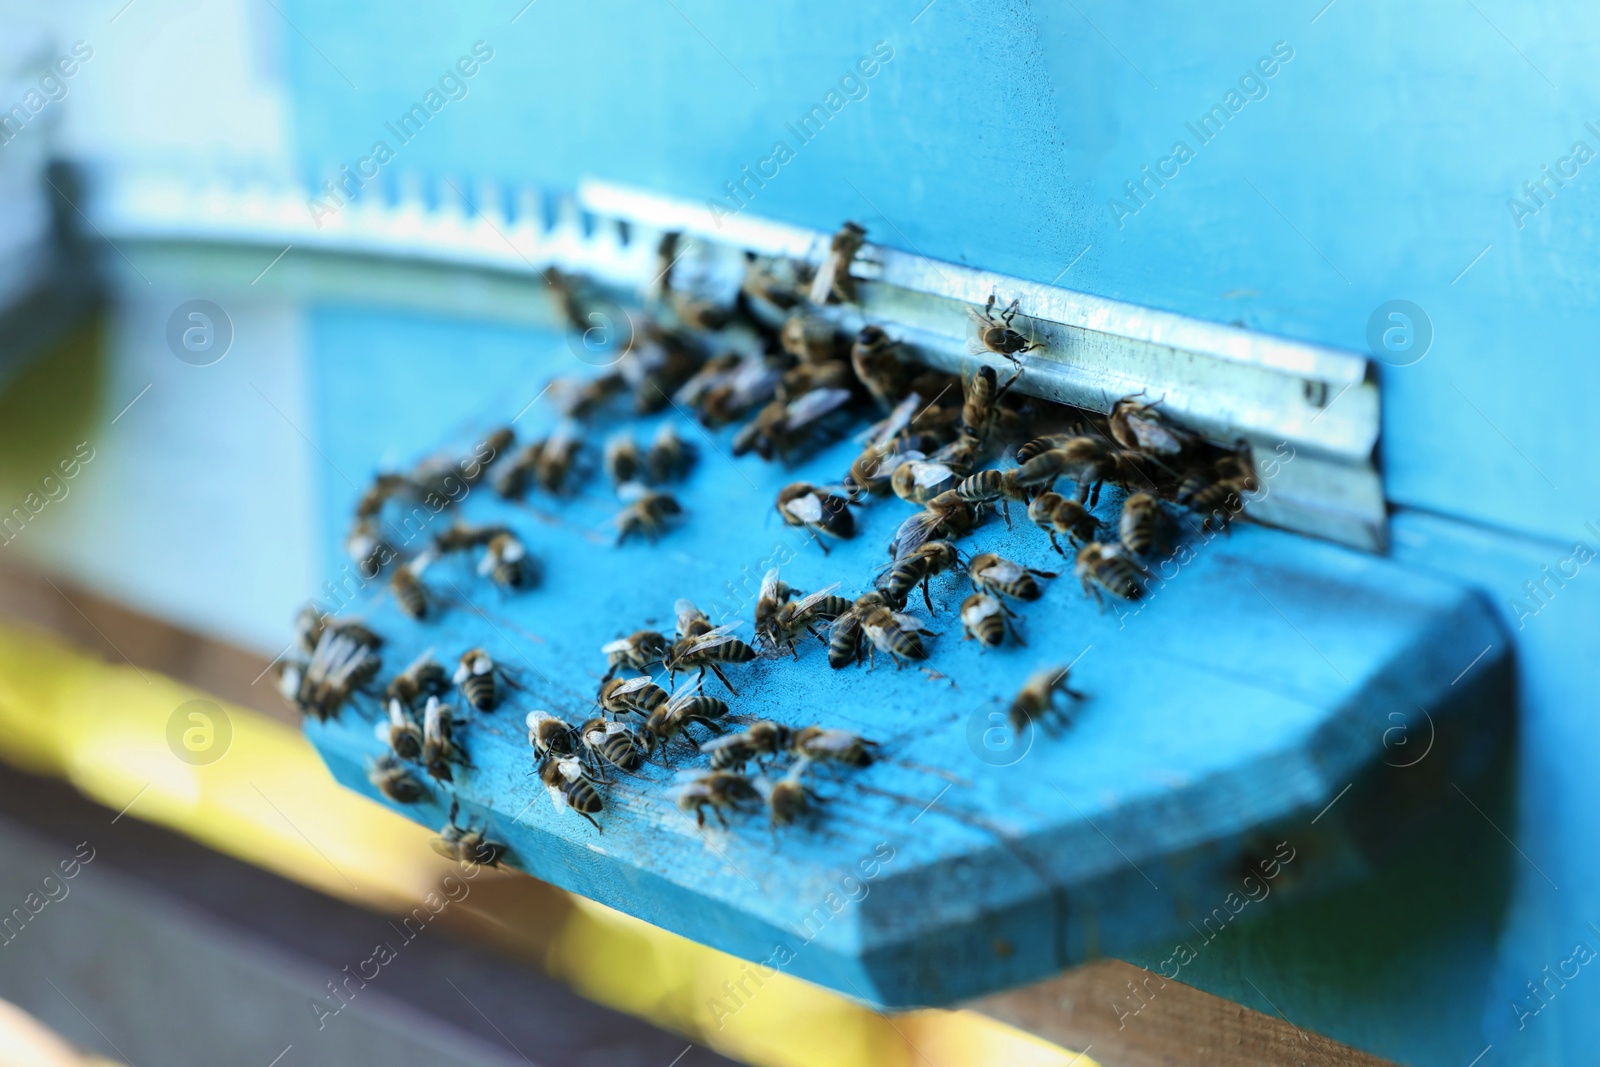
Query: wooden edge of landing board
{"x":1179,"y":1025}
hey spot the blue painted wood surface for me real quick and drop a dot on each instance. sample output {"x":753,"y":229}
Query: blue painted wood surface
{"x":1248,"y":690}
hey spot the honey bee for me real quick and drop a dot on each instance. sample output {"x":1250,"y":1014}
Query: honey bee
{"x":844,"y":637}
{"x":400,"y":732}
{"x":1041,"y":445}
{"x":670,"y":456}
{"x":919,"y":481}
{"x":702,"y":789}
{"x":556,"y":458}
{"x":476,"y":674}
{"x":727,"y":386}
{"x":687,"y":705}
{"x":789,"y":797}
{"x":816,"y":509}
{"x":550,"y":735}
{"x":614,"y":742}
{"x":384,"y":488}
{"x":444,"y":476}
{"x":1141,"y":524}
{"x":803,"y":378}
{"x":987,"y":618}
{"x":569,"y":787}
{"x":781,"y":429}
{"x":960,"y":455}
{"x":809,"y":338}
{"x":466,"y":845}
{"x":833,"y":277}
{"x":946,"y":515}
{"x":310,"y":624}
{"x":877,"y":364}
{"x":821,"y":745}
{"x":895,"y":633}
{"x":1087,"y":460}
{"x":655,"y":366}
{"x":640,"y":695}
{"x":1221,"y":497}
{"x":996,"y":335}
{"x":395,"y":781}
{"x":1055,"y":514}
{"x":885,"y":450}
{"x":1141,"y":427}
{"x":699,"y":312}
{"x":916,"y":569}
{"x":511,"y":478}
{"x":731,"y":752}
{"x":1036,"y":700}
{"x":507,"y":562}
{"x":691,"y":621}
{"x":1106,"y":567}
{"x":622,"y":458}
{"x":636,"y":652}
{"x":412,"y":597}
{"x":648,"y":514}
{"x":992,"y":574}
{"x":339,"y":667}
{"x":707,"y":651}
{"x":989,"y":486}
{"x":581,"y":399}
{"x":439,"y":747}
{"x":461,"y":537}
{"x":983,"y":392}
{"x":802,"y":616}
{"x":366,"y":545}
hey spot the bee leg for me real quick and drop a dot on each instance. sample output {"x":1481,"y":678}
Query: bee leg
{"x":721,"y":677}
{"x":988,"y":309}
{"x":1010,"y":312}
{"x":718,"y":813}
{"x":1005,"y":510}
{"x":1056,"y":544}
{"x":592,"y":823}
{"x":821,"y":543}
{"x":700,"y":815}
{"x":925,"y":597}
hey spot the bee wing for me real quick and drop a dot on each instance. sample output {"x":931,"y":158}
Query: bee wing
{"x":716,"y":744}
{"x":558,"y":796}
{"x":537,"y":716}
{"x":814,"y":599}
{"x":683,"y":696}
{"x":381,"y":730}
{"x":822,"y":283}
{"x":482,"y":665}
{"x":432,"y":720}
{"x":633,"y":685}
{"x":769,"y":585}
{"x":720,"y":636}
{"x":754,"y":383}
{"x":621,"y":644}
{"x":571,"y":769}
{"x":806,"y":508}
{"x":813,"y":406}
{"x":461,"y":673}
{"x":981,"y":608}
{"x":898,"y":420}
{"x":831,"y":741}
{"x":687,"y":614}
{"x":929,"y":474}
{"x":693,"y":775}
{"x":1002,"y":570}
{"x":913,"y":533}
{"x":911,"y":622}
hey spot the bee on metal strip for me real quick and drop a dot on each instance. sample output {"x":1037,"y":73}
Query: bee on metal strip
{"x":833,"y":279}
{"x":1140,"y":427}
{"x":997,"y":335}
{"x":875,"y":358}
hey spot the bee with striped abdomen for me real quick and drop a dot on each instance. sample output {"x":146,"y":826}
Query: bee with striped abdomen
{"x":992,"y":486}
{"x":637,"y":651}
{"x":616,"y":743}
{"x":783,"y":428}
{"x":731,"y":752}
{"x":439,"y":746}
{"x":569,"y":787}
{"x":992,"y":574}
{"x":997,"y":335}
{"x":621,"y":458}
{"x":809,"y":338}
{"x":512,"y":477}
{"x":895,"y":633}
{"x":400,"y":732}
{"x":422,"y":678}
{"x":788,"y":798}
{"x":946,"y":516}
{"x":477,"y":675}
{"x":822,"y":745}
{"x":803,"y":616}
{"x":1142,"y":524}
{"x":1037,"y":698}
{"x":340,"y":666}
{"x":394,"y":780}
{"x":460,"y":537}
{"x":1107,"y":567}
{"x":1057,"y":514}
{"x":466,"y":845}
{"x":919,"y":480}
{"x":916,"y":569}
{"x":412,"y":597}
{"x":1040,"y":445}
{"x":687,"y":705}
{"x":818,"y":510}
{"x":844,"y":636}
{"x":701,"y":789}
{"x":556,"y":458}
{"x":982,"y":393}
{"x":640,"y":695}
{"x":987,"y":618}
{"x":708,"y":651}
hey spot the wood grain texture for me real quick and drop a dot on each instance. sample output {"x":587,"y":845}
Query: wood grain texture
{"x":1096,"y":1009}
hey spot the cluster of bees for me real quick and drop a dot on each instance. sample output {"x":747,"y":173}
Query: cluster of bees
{"x":772,"y":364}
